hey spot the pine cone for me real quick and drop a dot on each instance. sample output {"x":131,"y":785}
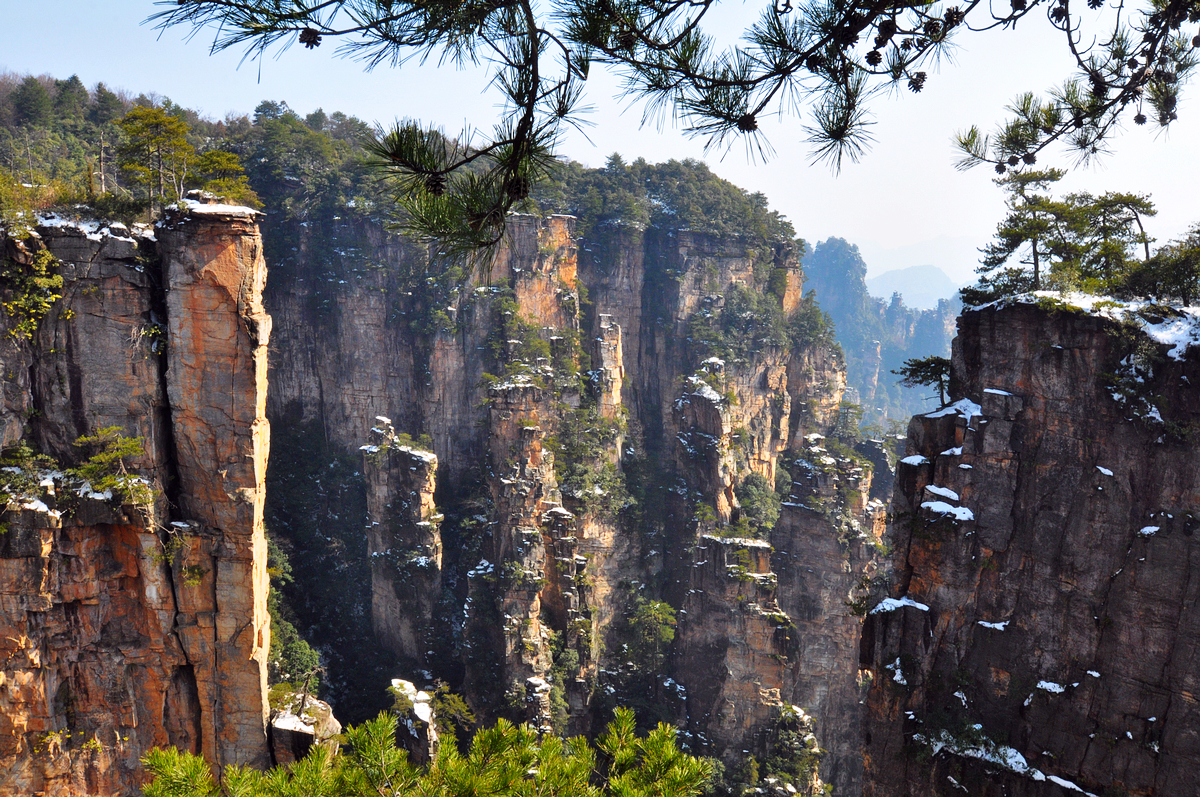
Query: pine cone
{"x":932,"y":28}
{"x":874,"y":58}
{"x":435,"y":184}
{"x":310,"y":38}
{"x":518,"y":188}
{"x":1018,"y":5}
{"x":814,"y":63}
{"x":887,"y":28}
{"x":1139,"y":119}
{"x":1001,"y":168}
{"x":1029,"y":158}
{"x":917,"y":82}
{"x":1013,"y":160}
{"x":846,"y":37}
{"x":626,"y":39}
{"x":747,"y":123}
{"x":954,"y":17}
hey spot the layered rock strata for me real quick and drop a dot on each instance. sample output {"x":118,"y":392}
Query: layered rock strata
{"x":1039,"y":637}
{"x":132,"y":626}
{"x":544,"y":564}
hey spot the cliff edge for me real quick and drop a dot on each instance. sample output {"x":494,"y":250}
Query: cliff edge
{"x":134,"y":616}
{"x":1042,"y":632}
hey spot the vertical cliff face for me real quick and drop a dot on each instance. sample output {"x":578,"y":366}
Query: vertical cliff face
{"x":216,"y":378}
{"x":1039,"y":639}
{"x":403,"y":541}
{"x":695,"y":378}
{"x":136,"y":618}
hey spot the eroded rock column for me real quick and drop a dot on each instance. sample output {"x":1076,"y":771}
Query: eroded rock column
{"x":402,"y":540}
{"x":217,"y":383}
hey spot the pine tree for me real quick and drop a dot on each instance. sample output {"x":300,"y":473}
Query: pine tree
{"x":106,"y":108}
{"x":156,"y":152}
{"x":1035,"y":224}
{"x":32,"y":103}
{"x":70,"y":98}
{"x":927,"y":372}
{"x":502,"y":761}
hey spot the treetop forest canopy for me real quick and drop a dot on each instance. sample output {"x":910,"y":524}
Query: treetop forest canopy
{"x":119,"y":153}
{"x":823,"y":59}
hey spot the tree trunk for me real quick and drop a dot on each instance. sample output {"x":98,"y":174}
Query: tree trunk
{"x":103,"y":185}
{"x":1037,"y":274}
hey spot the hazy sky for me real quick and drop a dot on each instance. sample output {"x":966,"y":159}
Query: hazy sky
{"x":903,"y":204}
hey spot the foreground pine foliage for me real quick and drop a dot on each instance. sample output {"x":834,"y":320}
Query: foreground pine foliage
{"x":503,"y":761}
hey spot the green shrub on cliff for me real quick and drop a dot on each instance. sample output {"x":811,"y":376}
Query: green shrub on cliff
{"x":581,"y":442}
{"x":105,"y":469}
{"x":29,"y":291}
{"x":750,"y":321}
{"x":505,"y":760}
{"x":760,"y":505}
{"x":293,"y":662}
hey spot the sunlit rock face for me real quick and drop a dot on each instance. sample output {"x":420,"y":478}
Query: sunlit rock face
{"x":135,"y":624}
{"x":1043,"y":531}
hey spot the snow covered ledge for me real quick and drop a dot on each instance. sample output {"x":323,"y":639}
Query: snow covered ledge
{"x":209,"y":204}
{"x":1179,"y":328}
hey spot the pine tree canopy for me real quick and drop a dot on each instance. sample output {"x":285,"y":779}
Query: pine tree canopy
{"x":821,"y":60}
{"x":502,"y":761}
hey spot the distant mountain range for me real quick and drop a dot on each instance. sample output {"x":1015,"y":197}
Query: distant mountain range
{"x":921,"y":286}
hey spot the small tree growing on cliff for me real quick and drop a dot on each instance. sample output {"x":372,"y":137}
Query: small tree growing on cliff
{"x":651,"y":630}
{"x":156,"y":152}
{"x":105,"y":469}
{"x":926,"y":371}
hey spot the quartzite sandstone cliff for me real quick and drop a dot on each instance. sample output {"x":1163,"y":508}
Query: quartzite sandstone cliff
{"x":127,"y":627}
{"x":1043,"y":632}
{"x":521,"y":572}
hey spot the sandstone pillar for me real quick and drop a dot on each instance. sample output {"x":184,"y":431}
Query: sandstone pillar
{"x":216,"y":382}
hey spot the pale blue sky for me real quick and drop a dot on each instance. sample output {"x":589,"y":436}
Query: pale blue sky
{"x":903,"y":204}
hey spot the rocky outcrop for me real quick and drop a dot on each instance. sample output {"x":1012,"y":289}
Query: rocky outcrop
{"x":418,"y":726}
{"x":544,"y":553}
{"x":403,"y":541}
{"x":827,"y":553}
{"x":135,"y":619}
{"x":300,"y":723}
{"x":1038,"y":638}
{"x":738,"y":655}
{"x":216,"y":378}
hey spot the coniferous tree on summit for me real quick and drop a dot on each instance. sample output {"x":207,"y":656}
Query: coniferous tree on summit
{"x":1078,"y":242}
{"x":32,"y":103}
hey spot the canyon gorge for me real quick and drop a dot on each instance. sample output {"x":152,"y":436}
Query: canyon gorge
{"x":612,"y":468}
